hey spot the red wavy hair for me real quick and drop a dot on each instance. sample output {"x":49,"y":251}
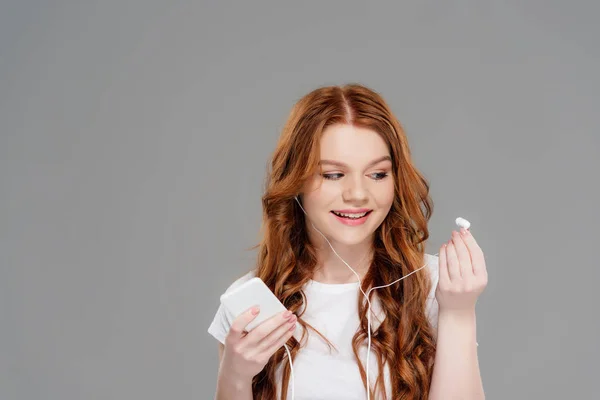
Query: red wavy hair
{"x":286,"y":259}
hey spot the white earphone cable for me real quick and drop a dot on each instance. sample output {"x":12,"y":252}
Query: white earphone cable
{"x":291,"y":368}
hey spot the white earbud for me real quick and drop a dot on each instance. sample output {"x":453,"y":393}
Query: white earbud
{"x":463,"y":223}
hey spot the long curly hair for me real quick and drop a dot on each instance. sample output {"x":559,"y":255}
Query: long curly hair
{"x":404,"y":341}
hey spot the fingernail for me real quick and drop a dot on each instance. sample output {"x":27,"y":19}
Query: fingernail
{"x":463,"y":231}
{"x":292,"y":327}
{"x":292,"y":319}
{"x":255,"y":310}
{"x":287,"y":314}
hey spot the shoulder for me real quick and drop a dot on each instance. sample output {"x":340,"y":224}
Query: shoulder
{"x":431,"y":305}
{"x":434,"y":272}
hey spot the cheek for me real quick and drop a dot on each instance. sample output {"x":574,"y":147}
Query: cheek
{"x":321,"y":193}
{"x":329,"y":193}
{"x":318,"y":198}
{"x":385,"y":195}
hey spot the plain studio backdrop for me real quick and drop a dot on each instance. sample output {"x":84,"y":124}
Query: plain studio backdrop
{"x":134,"y":142}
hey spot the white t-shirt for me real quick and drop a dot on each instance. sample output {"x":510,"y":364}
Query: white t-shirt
{"x":332,"y":309}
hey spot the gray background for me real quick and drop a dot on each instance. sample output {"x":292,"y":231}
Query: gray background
{"x":134,"y":140}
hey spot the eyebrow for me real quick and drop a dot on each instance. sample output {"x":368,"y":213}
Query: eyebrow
{"x":341,"y":164}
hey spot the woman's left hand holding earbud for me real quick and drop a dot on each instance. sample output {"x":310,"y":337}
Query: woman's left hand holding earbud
{"x":462,"y":278}
{"x":462,"y":274}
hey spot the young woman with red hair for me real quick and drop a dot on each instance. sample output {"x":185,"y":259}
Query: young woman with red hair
{"x":346,"y":157}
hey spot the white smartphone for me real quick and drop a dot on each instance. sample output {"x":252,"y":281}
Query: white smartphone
{"x":252,"y":292}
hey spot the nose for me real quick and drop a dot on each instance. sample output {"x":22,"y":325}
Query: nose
{"x":355,"y":191}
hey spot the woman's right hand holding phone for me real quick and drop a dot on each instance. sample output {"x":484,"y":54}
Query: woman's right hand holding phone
{"x":246,"y":353}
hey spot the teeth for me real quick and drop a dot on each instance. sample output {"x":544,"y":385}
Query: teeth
{"x":356,"y":216}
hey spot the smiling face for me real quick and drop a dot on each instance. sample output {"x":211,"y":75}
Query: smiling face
{"x":352,"y":194}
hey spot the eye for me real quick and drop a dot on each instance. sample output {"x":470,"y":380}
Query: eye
{"x":333,"y":177}
{"x":379,"y":175}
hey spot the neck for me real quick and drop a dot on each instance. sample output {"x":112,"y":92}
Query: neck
{"x":330,"y":269}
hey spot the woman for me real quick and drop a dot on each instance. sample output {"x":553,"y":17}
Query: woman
{"x":346,"y":157}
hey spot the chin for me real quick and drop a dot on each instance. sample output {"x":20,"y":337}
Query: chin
{"x":351,"y":239}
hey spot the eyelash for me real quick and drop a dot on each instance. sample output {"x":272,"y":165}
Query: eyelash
{"x":381,"y":175}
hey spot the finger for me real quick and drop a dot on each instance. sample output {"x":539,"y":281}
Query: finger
{"x":281,"y":341}
{"x":477,"y":258}
{"x":274,"y":337}
{"x":443,"y":266}
{"x":452,"y":260}
{"x":263,"y":329}
{"x":236,"y":331}
{"x":462,"y":252}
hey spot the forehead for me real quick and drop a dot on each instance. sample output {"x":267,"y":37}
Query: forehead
{"x":352,"y":145}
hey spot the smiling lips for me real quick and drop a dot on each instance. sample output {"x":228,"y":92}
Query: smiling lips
{"x":352,"y":217}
